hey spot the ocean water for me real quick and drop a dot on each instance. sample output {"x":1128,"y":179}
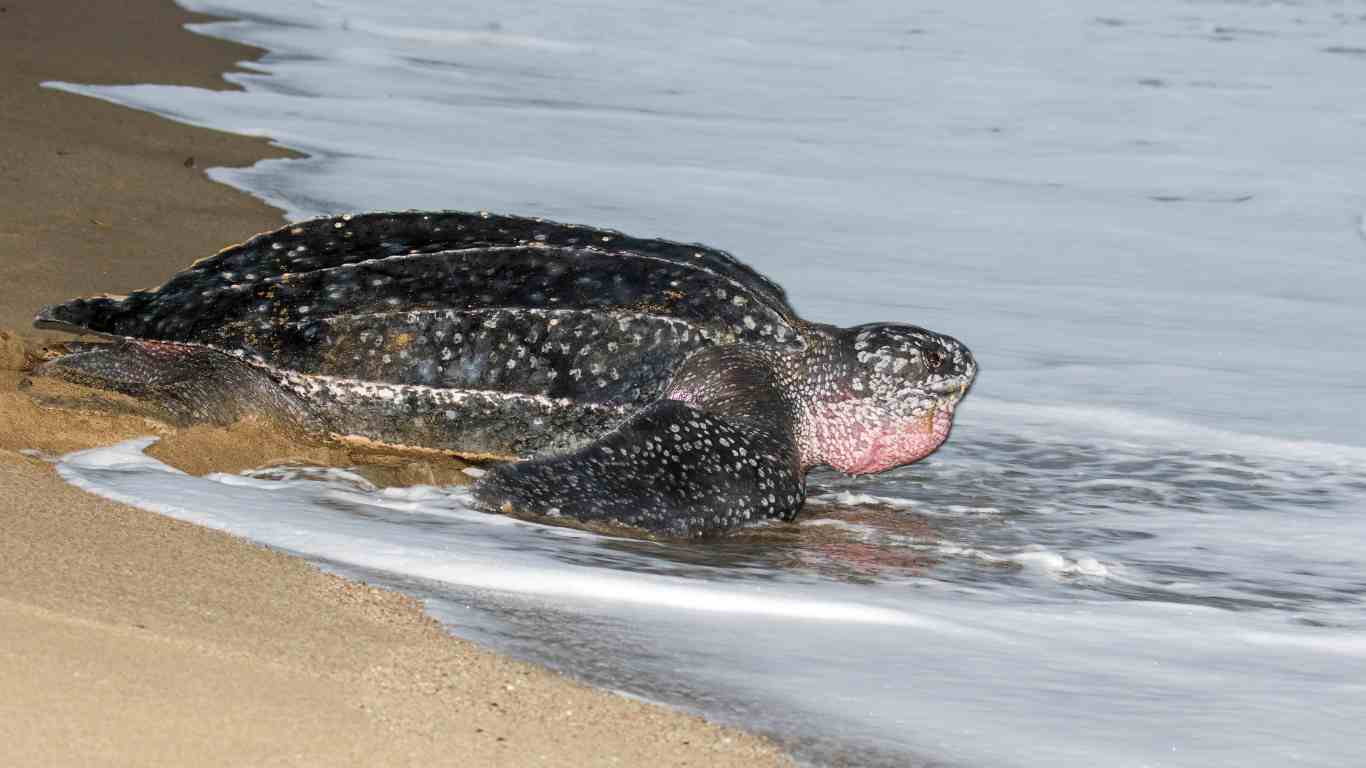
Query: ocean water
{"x":1145,"y":543}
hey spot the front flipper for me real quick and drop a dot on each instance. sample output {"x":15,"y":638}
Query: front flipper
{"x":192,"y":383}
{"x":670,"y":469}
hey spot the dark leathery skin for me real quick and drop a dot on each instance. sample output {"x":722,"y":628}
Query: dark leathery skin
{"x":239,"y":298}
{"x":613,"y":357}
{"x":469,"y":423}
{"x":670,"y":468}
{"x":331,"y":242}
{"x":191,"y":382}
{"x":716,"y":453}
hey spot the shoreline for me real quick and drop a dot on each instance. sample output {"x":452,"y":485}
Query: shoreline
{"x":130,"y":638}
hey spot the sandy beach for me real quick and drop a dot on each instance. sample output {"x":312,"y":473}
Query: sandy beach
{"x":131,"y":639}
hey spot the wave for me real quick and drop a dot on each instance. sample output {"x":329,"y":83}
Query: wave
{"x":1044,"y":421}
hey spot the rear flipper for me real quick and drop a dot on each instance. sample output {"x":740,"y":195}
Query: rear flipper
{"x":670,"y":469}
{"x":192,"y":383}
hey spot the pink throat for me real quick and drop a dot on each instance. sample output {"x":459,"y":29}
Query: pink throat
{"x":892,"y":447}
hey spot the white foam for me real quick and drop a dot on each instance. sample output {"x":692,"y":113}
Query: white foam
{"x":284,"y":476}
{"x":856,"y":499}
{"x":126,"y":455}
{"x":1347,"y":645}
{"x":963,"y":509}
{"x":1036,"y":559}
{"x":1056,"y":564}
{"x":273,"y":525}
{"x":462,"y":37}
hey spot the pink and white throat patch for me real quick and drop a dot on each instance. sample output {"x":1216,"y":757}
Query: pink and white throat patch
{"x":852,"y":440}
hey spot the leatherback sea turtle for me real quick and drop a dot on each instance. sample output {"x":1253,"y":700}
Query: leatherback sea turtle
{"x":646,"y":382}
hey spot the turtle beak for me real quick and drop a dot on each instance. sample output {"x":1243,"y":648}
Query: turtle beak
{"x":953,"y":387}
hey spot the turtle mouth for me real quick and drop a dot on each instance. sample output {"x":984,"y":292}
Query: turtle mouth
{"x":907,"y":443}
{"x":931,"y":432}
{"x":953,"y":387}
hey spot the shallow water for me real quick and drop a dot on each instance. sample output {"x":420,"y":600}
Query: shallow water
{"x":1014,"y":600}
{"x":1144,"y":543}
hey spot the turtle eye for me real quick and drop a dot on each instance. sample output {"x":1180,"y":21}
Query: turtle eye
{"x":933,"y":359}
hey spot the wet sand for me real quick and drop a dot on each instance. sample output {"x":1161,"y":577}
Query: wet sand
{"x":131,"y":639}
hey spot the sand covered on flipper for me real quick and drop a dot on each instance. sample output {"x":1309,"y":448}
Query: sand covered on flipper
{"x":53,"y":417}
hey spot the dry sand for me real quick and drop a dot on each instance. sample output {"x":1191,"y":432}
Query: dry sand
{"x":130,"y":639}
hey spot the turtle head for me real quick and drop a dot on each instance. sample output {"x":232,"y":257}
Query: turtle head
{"x":882,"y":395}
